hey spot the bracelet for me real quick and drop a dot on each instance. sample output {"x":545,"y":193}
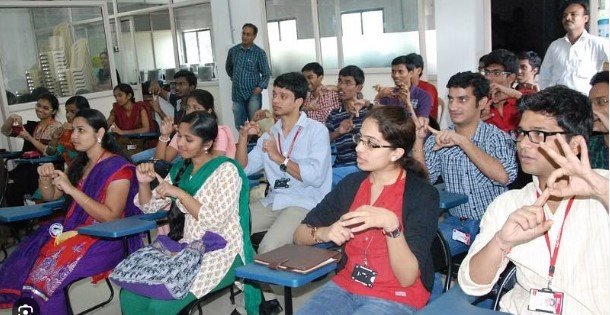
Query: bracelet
{"x":313,"y":233}
{"x":164,"y":140}
{"x":86,"y":201}
{"x":42,"y":181}
{"x":417,"y":150}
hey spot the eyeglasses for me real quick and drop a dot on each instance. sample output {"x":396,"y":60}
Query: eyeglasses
{"x":496,"y":73}
{"x":368,"y":143}
{"x":599,"y":101}
{"x":535,"y":136}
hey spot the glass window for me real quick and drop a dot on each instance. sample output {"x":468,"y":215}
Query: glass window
{"x":54,"y":55}
{"x":132,"y":5}
{"x":194,"y":33}
{"x":291,"y":38}
{"x":327,"y":21}
{"x":154,"y":43}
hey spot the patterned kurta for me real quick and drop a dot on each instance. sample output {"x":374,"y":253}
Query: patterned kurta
{"x":219,"y":213}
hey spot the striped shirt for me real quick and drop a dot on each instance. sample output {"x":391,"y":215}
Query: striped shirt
{"x":248,"y":68}
{"x":346,"y":148}
{"x":462,"y":176}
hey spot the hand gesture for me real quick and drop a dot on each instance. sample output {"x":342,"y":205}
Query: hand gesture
{"x":270,"y":146}
{"x":145,"y":173}
{"x":17,"y":120}
{"x":154,"y":103}
{"x":346,"y":126}
{"x":383,"y":91}
{"x":67,"y":126}
{"x":248,"y":129}
{"x":165,"y":189}
{"x":580,"y":175}
{"x":154,"y":88}
{"x":335,"y":233}
{"x":46,"y":170}
{"x":261,"y":114}
{"x":525,"y":224}
{"x":61,"y":182}
{"x":354,"y":106}
{"x":531,"y":86}
{"x":114,"y":128}
{"x":422,"y":131}
{"x":167,"y":126}
{"x":367,"y":217}
{"x":486,"y":113}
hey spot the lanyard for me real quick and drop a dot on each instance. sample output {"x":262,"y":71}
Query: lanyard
{"x":553,"y":255}
{"x":279,"y":142}
{"x":41,"y":133}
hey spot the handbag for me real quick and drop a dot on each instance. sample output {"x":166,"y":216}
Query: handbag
{"x":165,"y":269}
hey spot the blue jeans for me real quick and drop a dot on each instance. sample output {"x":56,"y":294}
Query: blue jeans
{"x":243,"y":111}
{"x":341,"y":171}
{"x":469,"y":226}
{"x":456,"y":302}
{"x":333,"y":300}
{"x":145,"y":155}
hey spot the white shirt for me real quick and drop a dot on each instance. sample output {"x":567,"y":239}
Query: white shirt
{"x":574,"y":65}
{"x":582,"y":270}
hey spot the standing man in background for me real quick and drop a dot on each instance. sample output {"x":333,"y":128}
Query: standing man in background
{"x":573,"y":59}
{"x":248,"y":68}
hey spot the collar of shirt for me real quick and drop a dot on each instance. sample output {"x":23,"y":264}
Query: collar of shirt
{"x":479,"y":134}
{"x":582,"y":37}
{"x":277,"y":127}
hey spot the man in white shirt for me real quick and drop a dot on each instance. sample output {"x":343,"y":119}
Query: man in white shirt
{"x":573,"y":59}
{"x":555,"y":229}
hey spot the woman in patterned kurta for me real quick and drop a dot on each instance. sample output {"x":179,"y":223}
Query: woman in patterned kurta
{"x":207,"y":198}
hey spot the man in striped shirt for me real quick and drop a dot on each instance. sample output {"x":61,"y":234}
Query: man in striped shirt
{"x":248,"y":68}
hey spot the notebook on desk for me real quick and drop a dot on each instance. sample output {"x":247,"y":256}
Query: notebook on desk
{"x":297,"y":258}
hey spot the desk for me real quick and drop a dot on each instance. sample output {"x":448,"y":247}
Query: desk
{"x":142,"y":135}
{"x":40,"y":160}
{"x":449,"y":200}
{"x":121,"y":228}
{"x":9,"y":155}
{"x":288,"y":280}
{"x":20,"y":213}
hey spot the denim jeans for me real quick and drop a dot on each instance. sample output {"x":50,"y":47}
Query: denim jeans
{"x":145,"y":155}
{"x":243,"y":111}
{"x":333,"y":300}
{"x":456,"y":302}
{"x":468,"y":226}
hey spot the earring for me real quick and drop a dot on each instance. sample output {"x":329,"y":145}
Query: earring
{"x":99,"y":140}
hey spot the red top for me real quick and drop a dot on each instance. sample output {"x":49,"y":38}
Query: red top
{"x":386,"y":286}
{"x":510,"y":118}
{"x":132,"y":121}
{"x":431,"y":89}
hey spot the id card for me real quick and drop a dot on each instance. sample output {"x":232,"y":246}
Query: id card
{"x":364,"y":275}
{"x":461,"y":237}
{"x":281,"y":183}
{"x":545,"y":300}
{"x":131,"y":147}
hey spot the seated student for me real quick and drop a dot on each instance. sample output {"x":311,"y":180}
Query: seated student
{"x":321,"y":100}
{"x":167,"y":149}
{"x":403,"y":70}
{"x":295,"y":155}
{"x":185,"y":82}
{"x":99,"y":186}
{"x":555,"y":230}
{"x":598,"y":143}
{"x":128,"y":116}
{"x":36,"y":136}
{"x":501,"y":68}
{"x":472,"y":157}
{"x":344,"y":122}
{"x":385,"y":217}
{"x":103,"y":77}
{"x":208,"y":194}
{"x":62,"y":137}
{"x":529,"y":66}
{"x":418,"y":63}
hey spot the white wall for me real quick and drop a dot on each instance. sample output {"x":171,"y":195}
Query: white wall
{"x":460,"y":40}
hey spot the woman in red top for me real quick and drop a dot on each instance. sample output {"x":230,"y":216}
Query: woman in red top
{"x":385,"y":217}
{"x":128,"y":116}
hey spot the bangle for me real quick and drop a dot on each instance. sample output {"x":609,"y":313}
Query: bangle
{"x":417,"y":150}
{"x":313,"y":234}
{"x":86,"y":201}
{"x":164,"y":140}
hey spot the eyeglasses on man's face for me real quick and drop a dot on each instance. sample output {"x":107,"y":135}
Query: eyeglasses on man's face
{"x":367,"y":142}
{"x":496,"y":72}
{"x":599,"y":101}
{"x":535,"y":136}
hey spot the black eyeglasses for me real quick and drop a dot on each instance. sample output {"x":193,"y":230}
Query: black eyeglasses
{"x":368,"y":143}
{"x":535,"y":136}
{"x":496,"y":73}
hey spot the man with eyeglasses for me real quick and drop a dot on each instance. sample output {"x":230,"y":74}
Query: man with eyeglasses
{"x":501,"y":68}
{"x":598,"y":143}
{"x":573,"y":59}
{"x":472,"y":157}
{"x":346,"y":121}
{"x":555,"y":229}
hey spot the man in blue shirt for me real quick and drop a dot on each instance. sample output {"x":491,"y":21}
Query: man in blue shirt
{"x":248,"y":68}
{"x":295,"y":155}
{"x":473,"y":158}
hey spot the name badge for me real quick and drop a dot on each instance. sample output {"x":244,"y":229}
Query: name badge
{"x":131,"y":147}
{"x":545,"y":300}
{"x":461,"y":237}
{"x":55,"y":229}
{"x":281,"y":183}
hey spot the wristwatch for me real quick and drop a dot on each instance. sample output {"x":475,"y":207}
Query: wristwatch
{"x":393,"y":234}
{"x":284,"y":165}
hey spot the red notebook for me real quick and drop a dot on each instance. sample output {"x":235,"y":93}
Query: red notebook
{"x":298,"y":258}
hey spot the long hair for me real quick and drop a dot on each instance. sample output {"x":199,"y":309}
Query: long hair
{"x":125,"y":88}
{"x":204,"y":126}
{"x":205,"y":99}
{"x":397,"y":127}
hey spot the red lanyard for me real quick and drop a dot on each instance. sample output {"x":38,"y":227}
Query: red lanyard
{"x":279,"y":142}
{"x":557,"y":242}
{"x":43,"y":130}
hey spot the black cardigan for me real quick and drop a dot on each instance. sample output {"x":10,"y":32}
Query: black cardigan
{"x":419,"y":215}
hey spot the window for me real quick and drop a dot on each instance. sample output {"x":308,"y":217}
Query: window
{"x":362,"y":23}
{"x":282,"y":30}
{"x":198,"y":46}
